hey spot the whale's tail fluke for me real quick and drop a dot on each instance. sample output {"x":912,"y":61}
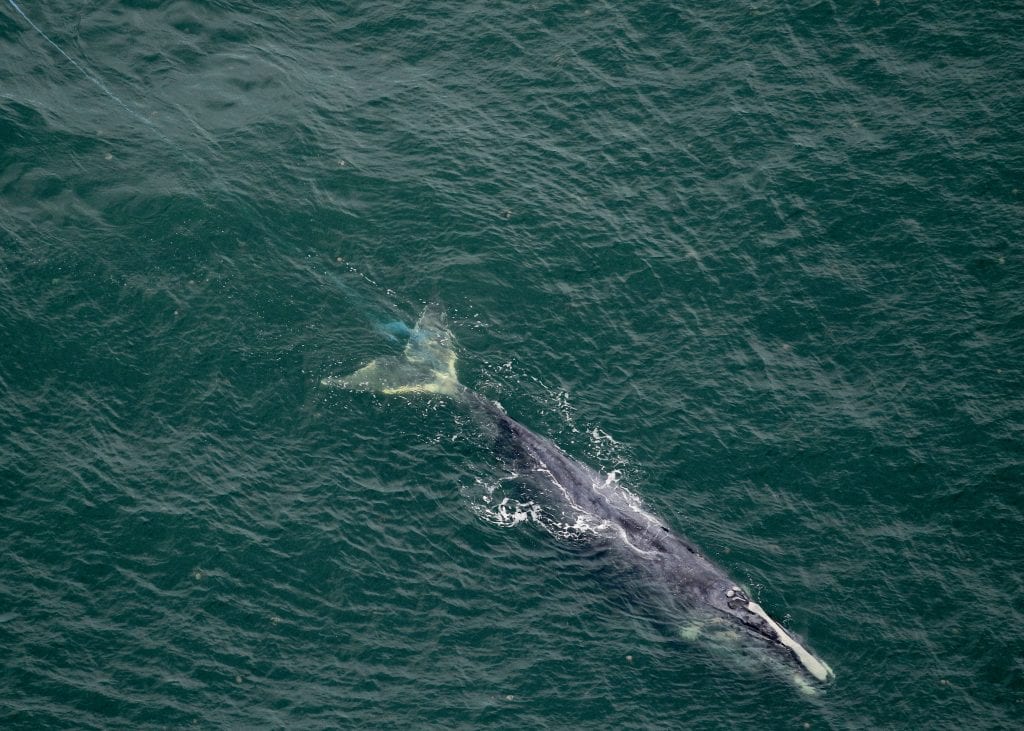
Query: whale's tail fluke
{"x":427,"y":365}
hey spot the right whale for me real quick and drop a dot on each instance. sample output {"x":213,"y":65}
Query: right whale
{"x":593,"y":503}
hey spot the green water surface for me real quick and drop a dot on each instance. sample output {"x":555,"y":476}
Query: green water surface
{"x":762,"y":259}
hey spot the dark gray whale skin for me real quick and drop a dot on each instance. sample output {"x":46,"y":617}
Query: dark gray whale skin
{"x":691,"y":578}
{"x":577,"y":493}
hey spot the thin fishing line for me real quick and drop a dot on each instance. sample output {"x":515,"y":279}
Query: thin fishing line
{"x":85,"y":72}
{"x":346,"y":289}
{"x":372,"y":310}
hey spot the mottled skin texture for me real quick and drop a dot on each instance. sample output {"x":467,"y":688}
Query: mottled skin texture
{"x":576,"y":494}
{"x":688,"y":574}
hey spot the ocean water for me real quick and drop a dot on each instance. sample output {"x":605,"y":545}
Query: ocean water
{"x":763,"y":260}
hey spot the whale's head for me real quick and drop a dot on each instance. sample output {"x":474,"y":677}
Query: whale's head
{"x":733,"y":602}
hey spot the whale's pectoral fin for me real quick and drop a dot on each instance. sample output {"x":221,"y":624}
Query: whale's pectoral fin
{"x":427,"y":364}
{"x":813,"y":665}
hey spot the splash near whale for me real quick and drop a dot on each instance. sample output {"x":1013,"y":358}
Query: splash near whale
{"x":581,"y":494}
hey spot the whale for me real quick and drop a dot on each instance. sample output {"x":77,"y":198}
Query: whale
{"x":595,"y":505}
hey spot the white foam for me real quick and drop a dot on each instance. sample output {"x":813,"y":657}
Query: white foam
{"x":511,"y":513}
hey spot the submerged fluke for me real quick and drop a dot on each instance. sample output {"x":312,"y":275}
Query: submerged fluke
{"x":574,"y":493}
{"x":427,"y":365}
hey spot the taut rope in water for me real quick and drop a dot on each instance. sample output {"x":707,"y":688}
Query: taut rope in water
{"x":92,"y":77}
